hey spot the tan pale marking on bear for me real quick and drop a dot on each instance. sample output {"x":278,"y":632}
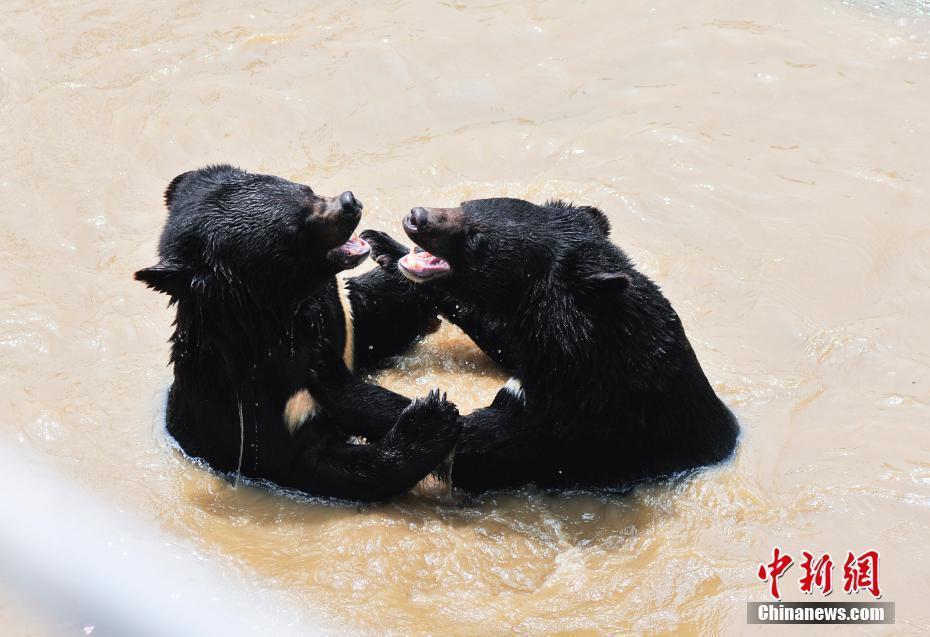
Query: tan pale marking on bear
{"x":348,"y":354}
{"x":300,"y":408}
{"x":515,"y":388}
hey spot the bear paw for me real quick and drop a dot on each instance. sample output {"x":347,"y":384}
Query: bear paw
{"x":432,"y":421}
{"x":385,"y":251}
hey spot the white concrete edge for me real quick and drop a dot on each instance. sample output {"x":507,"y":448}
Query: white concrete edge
{"x":76,"y":558}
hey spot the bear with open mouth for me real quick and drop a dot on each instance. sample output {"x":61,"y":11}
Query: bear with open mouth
{"x":606,"y":389}
{"x":267,"y":339}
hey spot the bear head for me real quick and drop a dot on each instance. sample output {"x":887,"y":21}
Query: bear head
{"x":229,"y":230}
{"x":493,"y":250}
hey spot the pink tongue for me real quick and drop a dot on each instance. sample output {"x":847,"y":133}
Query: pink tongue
{"x":421,"y":260}
{"x":355,"y":245}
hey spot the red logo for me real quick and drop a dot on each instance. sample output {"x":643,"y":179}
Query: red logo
{"x":775,"y":569}
{"x":819,"y":573}
{"x":860,"y":572}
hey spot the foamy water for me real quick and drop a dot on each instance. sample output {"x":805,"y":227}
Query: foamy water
{"x":766,"y":163}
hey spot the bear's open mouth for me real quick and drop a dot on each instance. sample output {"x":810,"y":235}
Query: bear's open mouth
{"x":419,"y":266}
{"x":353,"y":251}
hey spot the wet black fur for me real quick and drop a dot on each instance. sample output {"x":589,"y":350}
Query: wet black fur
{"x":614,"y":393}
{"x":245,"y":259}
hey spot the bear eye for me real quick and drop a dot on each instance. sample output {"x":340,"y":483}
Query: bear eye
{"x":291,"y":227}
{"x":476,"y":240}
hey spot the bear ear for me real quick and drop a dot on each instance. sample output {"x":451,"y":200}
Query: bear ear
{"x":173,"y":187}
{"x":616,"y":278}
{"x":597,"y":217}
{"x":615,"y":281}
{"x":170,"y":278}
{"x":594,"y":215}
{"x":592,"y":267}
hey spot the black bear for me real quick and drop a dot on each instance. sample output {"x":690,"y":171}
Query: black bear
{"x":606,"y":389}
{"x":267,"y":338}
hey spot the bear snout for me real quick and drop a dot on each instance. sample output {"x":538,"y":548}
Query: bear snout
{"x":434,"y":220}
{"x":349,"y":204}
{"x":417,"y":220}
{"x":438,"y":230}
{"x":340,"y":214}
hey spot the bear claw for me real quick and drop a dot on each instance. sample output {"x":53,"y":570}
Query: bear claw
{"x":431,"y":419}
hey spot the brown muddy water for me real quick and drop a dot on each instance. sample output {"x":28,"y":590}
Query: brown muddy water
{"x":767,"y":163}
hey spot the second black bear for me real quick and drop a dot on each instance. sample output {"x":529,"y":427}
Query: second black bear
{"x":267,"y":338}
{"x":606,"y":389}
